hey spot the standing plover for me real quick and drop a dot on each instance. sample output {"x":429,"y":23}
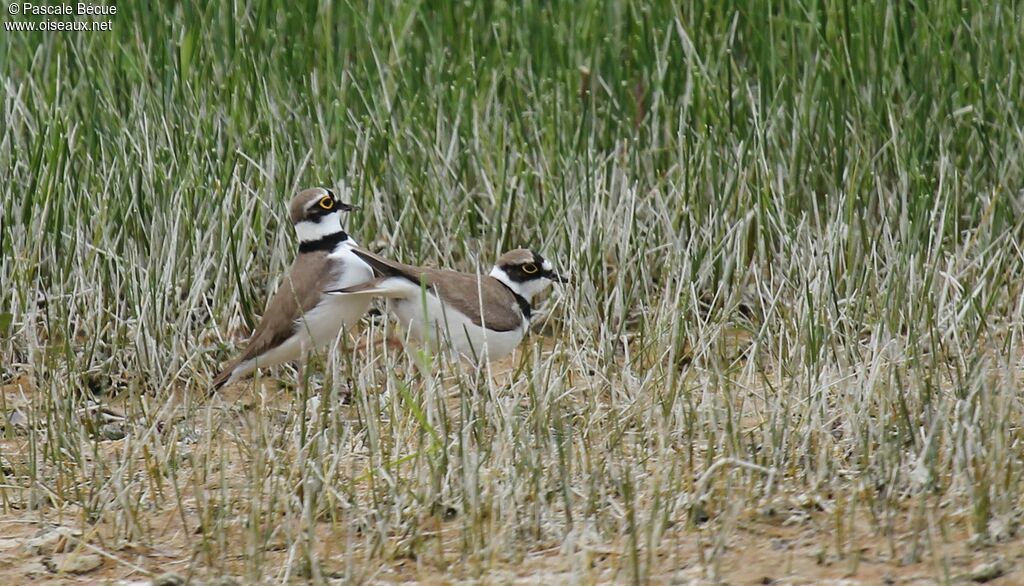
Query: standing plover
{"x":300,"y":315}
{"x":481,"y":317}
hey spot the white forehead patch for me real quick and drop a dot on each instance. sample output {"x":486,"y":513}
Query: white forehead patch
{"x":548,"y":266}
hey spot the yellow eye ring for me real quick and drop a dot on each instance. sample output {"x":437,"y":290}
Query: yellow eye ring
{"x":529,"y":268}
{"x":326,"y":202}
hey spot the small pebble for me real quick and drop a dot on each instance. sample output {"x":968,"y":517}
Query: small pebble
{"x":6,"y":544}
{"x":73,"y":563}
{"x":168,"y":579}
{"x":988,"y":571}
{"x":18,"y":421}
{"x":51,"y":541}
{"x":112,"y":431}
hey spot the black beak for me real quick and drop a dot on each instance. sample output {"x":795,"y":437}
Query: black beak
{"x":556,"y":277}
{"x":345,"y":207}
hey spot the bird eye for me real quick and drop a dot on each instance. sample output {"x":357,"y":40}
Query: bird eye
{"x":529,"y":268}
{"x":326,"y":202}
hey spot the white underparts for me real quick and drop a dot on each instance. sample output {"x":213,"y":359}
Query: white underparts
{"x":426,"y":319}
{"x":322,"y":324}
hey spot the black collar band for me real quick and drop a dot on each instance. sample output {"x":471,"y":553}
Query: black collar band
{"x":524,"y":305}
{"x":328,"y":242}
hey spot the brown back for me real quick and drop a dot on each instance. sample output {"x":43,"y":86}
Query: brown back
{"x":297,"y":294}
{"x":461,"y":291}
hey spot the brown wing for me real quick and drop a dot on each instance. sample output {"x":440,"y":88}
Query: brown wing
{"x":298,"y":293}
{"x":461,"y":291}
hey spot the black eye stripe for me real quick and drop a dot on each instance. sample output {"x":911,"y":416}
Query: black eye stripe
{"x":316,"y":212}
{"x":517,"y":273}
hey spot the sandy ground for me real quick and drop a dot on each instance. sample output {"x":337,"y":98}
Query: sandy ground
{"x":51,"y":543}
{"x":760,"y":552}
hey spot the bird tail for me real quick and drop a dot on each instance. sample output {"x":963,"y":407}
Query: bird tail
{"x":381,"y":265}
{"x":374,"y":288}
{"x":385,"y":270}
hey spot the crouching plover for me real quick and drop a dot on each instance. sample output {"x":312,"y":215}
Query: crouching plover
{"x":300,"y":315}
{"x":481,"y":317}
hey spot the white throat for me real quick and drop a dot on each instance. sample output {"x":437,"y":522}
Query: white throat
{"x":527,"y":290}
{"x":312,"y":231}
